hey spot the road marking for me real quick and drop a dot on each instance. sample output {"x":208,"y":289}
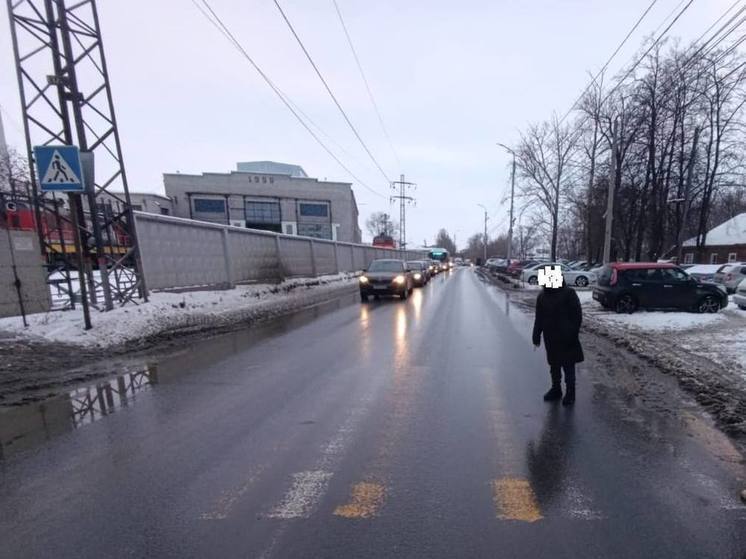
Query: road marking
{"x":228,"y":499}
{"x":515,"y":500}
{"x":367,"y":498}
{"x":304,"y":495}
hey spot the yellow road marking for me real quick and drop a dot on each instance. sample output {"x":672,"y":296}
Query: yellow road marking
{"x":367,"y":499}
{"x":515,"y":500}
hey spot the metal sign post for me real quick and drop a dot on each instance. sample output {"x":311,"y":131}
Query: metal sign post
{"x":59,"y":170}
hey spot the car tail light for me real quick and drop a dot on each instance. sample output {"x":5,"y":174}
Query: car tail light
{"x":613,"y":279}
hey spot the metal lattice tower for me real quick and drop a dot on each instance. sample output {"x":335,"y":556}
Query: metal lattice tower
{"x":66,"y":99}
{"x":403,"y":199}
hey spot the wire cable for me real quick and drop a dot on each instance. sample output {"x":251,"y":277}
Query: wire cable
{"x":594,"y":79}
{"x":367,"y":85}
{"x":329,"y":90}
{"x":218,"y":23}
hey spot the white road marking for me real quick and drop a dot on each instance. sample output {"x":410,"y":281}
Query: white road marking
{"x":302,"y":498}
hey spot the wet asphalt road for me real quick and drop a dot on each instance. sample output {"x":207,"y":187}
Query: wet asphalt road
{"x":387,"y":429}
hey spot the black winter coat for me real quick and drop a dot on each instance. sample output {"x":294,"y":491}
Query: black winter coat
{"x":558,"y":317}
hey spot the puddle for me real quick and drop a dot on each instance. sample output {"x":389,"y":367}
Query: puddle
{"x":123,"y":379}
{"x":22,"y":427}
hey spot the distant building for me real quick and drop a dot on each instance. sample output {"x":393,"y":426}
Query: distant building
{"x":270,"y":196}
{"x":141,"y":201}
{"x":725,"y":243}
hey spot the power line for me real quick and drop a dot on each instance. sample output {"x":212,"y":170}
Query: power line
{"x":606,"y":65}
{"x":218,"y":23}
{"x":367,"y":85}
{"x":329,"y":90}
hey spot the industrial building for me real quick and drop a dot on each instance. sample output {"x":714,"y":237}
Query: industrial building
{"x":270,"y":196}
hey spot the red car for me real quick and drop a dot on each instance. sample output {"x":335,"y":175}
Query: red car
{"x":516,"y":266}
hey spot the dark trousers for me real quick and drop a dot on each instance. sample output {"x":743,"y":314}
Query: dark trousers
{"x":556,"y":372}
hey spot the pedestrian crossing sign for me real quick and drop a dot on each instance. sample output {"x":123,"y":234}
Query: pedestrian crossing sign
{"x":59,"y":168}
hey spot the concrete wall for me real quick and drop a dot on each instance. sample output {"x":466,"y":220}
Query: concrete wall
{"x":29,"y":266}
{"x":236,"y":187}
{"x":180,"y":252}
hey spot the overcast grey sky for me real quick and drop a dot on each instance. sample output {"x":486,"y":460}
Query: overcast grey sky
{"x":451,"y":79}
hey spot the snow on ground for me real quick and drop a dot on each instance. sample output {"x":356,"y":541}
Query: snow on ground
{"x":166,"y":312}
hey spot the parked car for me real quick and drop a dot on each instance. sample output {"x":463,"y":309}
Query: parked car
{"x":420,"y":272}
{"x":730,"y":275}
{"x":386,"y":277}
{"x":579,"y":278}
{"x":627,"y":286}
{"x":740,"y":297}
{"x":517,"y":266}
{"x":703,"y":272}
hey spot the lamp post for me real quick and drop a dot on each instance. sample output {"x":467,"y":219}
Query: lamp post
{"x":512,"y":198}
{"x":484,"y":239}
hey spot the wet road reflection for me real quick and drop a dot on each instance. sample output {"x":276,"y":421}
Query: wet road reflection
{"x":24,"y":426}
{"x":547,"y":459}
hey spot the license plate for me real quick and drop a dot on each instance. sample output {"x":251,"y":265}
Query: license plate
{"x":380,"y":287}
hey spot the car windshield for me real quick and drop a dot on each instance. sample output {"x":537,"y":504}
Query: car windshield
{"x":415,"y":265}
{"x":386,"y":266}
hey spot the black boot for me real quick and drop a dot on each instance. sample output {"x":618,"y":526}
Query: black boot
{"x":554,"y":393}
{"x":569,"y":398}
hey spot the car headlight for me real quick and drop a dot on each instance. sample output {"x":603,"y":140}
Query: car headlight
{"x":399,"y":280}
{"x":363,"y":279}
{"x":418,"y":276}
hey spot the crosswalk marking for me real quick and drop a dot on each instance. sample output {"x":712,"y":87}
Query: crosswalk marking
{"x":515,"y":500}
{"x":367,"y":499}
{"x":301,"y":499}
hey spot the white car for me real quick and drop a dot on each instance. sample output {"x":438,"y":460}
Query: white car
{"x":740,"y":297}
{"x":579,"y":278}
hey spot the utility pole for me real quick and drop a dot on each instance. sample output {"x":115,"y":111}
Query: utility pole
{"x":484,"y":239}
{"x":610,"y":197}
{"x":685,"y":200}
{"x":512,"y":200}
{"x":404,"y":199}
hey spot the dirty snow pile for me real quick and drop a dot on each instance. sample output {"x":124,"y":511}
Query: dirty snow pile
{"x":169,"y":312}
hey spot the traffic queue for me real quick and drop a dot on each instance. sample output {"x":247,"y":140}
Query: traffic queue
{"x":398,"y":278}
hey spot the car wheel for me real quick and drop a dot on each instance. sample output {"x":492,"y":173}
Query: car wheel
{"x":533,"y":280}
{"x":626,"y":304}
{"x":708,"y":304}
{"x":581,"y":281}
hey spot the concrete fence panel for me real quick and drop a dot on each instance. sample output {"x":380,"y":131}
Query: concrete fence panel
{"x":178,"y":253}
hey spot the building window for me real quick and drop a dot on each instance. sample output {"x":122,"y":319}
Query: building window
{"x":137,"y":207}
{"x":689,"y":258}
{"x":732,"y":256}
{"x":713,"y":258}
{"x":262,"y":212}
{"x":315,"y":230}
{"x":314,"y":210}
{"x":209,"y":205}
{"x":165,"y":211}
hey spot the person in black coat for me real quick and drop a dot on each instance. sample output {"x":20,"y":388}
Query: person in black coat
{"x":558,"y":318}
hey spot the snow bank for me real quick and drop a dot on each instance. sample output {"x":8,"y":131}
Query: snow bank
{"x":168,"y":312}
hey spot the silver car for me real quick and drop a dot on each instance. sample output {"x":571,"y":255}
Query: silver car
{"x":730,"y":275}
{"x":579,"y":278}
{"x":740,"y":297}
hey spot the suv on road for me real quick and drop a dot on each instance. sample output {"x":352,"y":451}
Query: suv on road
{"x":627,"y":286}
{"x":386,"y":277}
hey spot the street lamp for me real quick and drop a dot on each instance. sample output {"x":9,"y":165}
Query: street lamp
{"x":512,"y":197}
{"x":484,"y":239}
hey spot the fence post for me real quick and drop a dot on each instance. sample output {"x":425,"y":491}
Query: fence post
{"x":280,"y":269}
{"x":227,"y":258}
{"x":313,"y":258}
{"x":336,"y":257}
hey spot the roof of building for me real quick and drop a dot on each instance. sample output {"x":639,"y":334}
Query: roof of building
{"x":732,"y":232}
{"x":272,"y":168}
